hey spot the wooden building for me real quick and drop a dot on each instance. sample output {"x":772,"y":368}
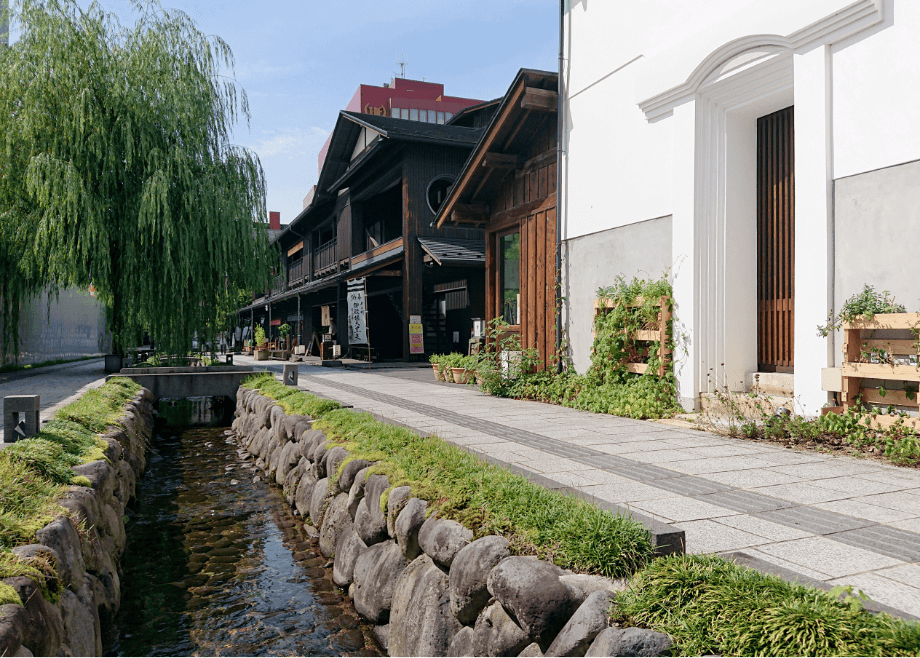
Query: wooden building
{"x":508,"y":188}
{"x":372,"y":217}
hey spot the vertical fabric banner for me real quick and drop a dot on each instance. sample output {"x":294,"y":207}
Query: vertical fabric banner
{"x":357,"y":312}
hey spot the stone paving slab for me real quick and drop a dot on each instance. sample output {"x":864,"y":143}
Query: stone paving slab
{"x":834,"y":519}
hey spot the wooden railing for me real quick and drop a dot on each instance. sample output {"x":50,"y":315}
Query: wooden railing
{"x":659,"y":333}
{"x":324,"y":260}
{"x":277,"y":284}
{"x":885,"y":359}
{"x":295,"y":273}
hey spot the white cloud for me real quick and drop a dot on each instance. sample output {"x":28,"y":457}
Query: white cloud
{"x":290,"y":141}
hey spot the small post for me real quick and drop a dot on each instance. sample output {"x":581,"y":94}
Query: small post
{"x":228,"y":358}
{"x":20,"y":412}
{"x":290,"y":376}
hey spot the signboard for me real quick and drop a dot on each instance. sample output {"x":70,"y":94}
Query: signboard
{"x":416,"y":336}
{"x":357,"y":312}
{"x":276,"y":323}
{"x":325,"y":316}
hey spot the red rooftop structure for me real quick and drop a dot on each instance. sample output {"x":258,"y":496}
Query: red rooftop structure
{"x":404,"y":99}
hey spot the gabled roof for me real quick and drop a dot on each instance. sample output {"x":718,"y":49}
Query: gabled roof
{"x":454,"y":251}
{"x":526,"y":102}
{"x":348,"y":129}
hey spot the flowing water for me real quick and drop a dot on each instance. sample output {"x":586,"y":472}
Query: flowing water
{"x":216,"y":563}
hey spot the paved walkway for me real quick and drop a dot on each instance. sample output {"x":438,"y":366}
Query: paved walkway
{"x":57,"y":385}
{"x":839,"y":520}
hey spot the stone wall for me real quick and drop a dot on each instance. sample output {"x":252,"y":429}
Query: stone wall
{"x":85,"y":545}
{"x":426,"y":585}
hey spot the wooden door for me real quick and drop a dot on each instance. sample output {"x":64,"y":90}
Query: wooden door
{"x":775,"y":242}
{"x":538,"y":280}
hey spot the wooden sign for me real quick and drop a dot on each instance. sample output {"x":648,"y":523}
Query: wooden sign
{"x":357,"y":312}
{"x":326,"y":316}
{"x":416,"y":337}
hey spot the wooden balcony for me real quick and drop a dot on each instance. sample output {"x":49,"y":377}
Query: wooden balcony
{"x":296,"y":273}
{"x":377,"y":252}
{"x":324,"y":260}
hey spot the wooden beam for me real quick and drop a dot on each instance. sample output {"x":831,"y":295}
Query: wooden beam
{"x":502,"y":160}
{"x":461,"y":217}
{"x":540,"y":99}
{"x":386,"y":273}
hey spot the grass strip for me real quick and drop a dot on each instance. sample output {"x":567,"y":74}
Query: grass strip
{"x":35,"y":471}
{"x":42,"y":364}
{"x":485,"y":498}
{"x":709,"y":605}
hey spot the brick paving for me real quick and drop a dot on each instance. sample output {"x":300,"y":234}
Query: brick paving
{"x":57,"y":385}
{"x":835,"y":520}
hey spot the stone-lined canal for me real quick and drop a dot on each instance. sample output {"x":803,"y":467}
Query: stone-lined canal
{"x":216,"y":563}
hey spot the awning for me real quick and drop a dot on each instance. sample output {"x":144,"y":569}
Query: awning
{"x":454,"y":251}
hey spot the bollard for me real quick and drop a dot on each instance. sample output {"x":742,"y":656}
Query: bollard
{"x":20,"y":412}
{"x":228,"y":359}
{"x":290,"y":376}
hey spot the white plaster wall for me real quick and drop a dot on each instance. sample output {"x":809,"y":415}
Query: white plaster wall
{"x":876,"y":94}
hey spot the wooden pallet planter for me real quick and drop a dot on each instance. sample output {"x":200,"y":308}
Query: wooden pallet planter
{"x":646,"y":335}
{"x":860,"y":336}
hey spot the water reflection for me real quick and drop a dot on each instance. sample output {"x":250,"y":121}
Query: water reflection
{"x":216,"y":564}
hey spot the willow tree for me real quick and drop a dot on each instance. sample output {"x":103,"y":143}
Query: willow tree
{"x":117,"y":169}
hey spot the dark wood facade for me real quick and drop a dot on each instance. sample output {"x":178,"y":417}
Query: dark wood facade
{"x":509,"y":188}
{"x":776,"y":242}
{"x":365,"y":221}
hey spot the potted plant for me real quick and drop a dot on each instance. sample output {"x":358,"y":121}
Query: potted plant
{"x":464,"y":370}
{"x":283,"y":331}
{"x":435,"y":361}
{"x":261,"y":354}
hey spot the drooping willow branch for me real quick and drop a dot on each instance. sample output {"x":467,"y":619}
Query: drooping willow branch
{"x":117,"y":170}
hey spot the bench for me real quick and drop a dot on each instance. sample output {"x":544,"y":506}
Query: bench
{"x":279,"y":355}
{"x":360,"y":351}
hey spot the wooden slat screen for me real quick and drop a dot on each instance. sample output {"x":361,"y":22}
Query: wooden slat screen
{"x":775,"y":241}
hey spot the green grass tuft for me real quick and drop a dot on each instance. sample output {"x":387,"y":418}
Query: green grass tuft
{"x":709,"y":605}
{"x":485,"y":498}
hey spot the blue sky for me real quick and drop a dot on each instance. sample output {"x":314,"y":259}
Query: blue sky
{"x":301,"y":61}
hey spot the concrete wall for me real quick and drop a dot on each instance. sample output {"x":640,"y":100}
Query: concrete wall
{"x":658,"y":95}
{"x":72,"y":326}
{"x":594,"y":261}
{"x":876,"y":213}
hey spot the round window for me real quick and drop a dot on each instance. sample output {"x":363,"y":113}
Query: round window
{"x":438,"y":189}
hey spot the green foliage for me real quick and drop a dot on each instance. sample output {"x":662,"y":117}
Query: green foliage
{"x":33,"y":472}
{"x":709,"y":605}
{"x":607,"y":387}
{"x":864,"y":304}
{"x":284,"y":330}
{"x":116,"y":170}
{"x":485,"y":498}
{"x":260,"y":336}
{"x":39,"y":568}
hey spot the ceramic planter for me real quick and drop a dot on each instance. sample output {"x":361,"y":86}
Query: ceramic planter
{"x":461,"y":375}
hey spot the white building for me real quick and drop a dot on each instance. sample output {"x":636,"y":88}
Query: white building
{"x":664,"y":167}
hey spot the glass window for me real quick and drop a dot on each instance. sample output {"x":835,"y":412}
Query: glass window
{"x":404,"y":113}
{"x":394,"y":112}
{"x":432,"y":116}
{"x":449,"y":115}
{"x":509,"y":260}
{"x":440,"y":117}
{"x":413,"y":114}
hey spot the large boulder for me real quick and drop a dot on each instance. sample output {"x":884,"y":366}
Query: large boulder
{"x":288,"y":459}
{"x":462,"y":644}
{"x":442,"y":539}
{"x":318,"y":501}
{"x":82,"y":630}
{"x":347,"y":551}
{"x":397,"y":500}
{"x":12,"y":619}
{"x":407,"y":525}
{"x":347,"y":477}
{"x":304,"y":492}
{"x":62,"y":536}
{"x":356,"y":493}
{"x":43,"y":628}
{"x":579,"y":632}
{"x":334,"y":521}
{"x":370,"y":527}
{"x":375,"y":575}
{"x":586,"y":584}
{"x":319,"y":460}
{"x":532,"y":591}
{"x":497,"y":634}
{"x":421,"y":623}
{"x":468,"y":574}
{"x":630,"y":642}
{"x":36,"y":554}
{"x":334,"y":459}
